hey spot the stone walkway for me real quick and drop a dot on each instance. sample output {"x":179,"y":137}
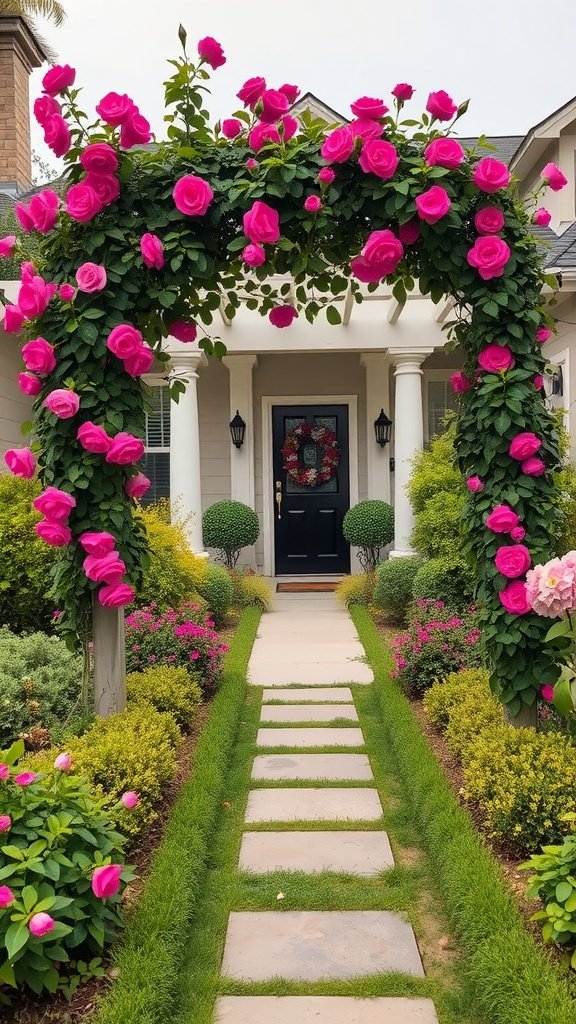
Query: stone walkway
{"x":309,"y":640}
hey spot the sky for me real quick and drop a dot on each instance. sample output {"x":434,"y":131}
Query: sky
{"x":513,"y":58}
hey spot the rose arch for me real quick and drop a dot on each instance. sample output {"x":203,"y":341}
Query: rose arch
{"x":151,"y":240}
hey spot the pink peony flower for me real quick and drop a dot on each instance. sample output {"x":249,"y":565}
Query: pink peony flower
{"x":5,"y":822}
{"x":538,"y":381}
{"x":63,"y":403}
{"x":100,"y":158}
{"x":183,"y":330}
{"x":140,"y":362}
{"x":291,"y":92}
{"x":433,"y":204}
{"x":489,"y":255}
{"x":58,"y":79}
{"x":192,"y":195}
{"x":251,"y":91}
{"x":98,"y":543}
{"x":533,"y":467}
{"x":312,"y":204}
{"x":108,"y":569}
{"x":551,"y":588}
{"x":513,"y":598}
{"x":380,"y":158}
{"x":518,"y":534}
{"x":125,"y":449}
{"x":44,"y":208}
{"x":115,"y":108}
{"x":106,"y":187}
{"x":338,"y":145}
{"x":326,"y":175}
{"x":409,"y":233}
{"x":502,"y":519}
{"x":124,"y":341}
{"x":136,"y":486}
{"x":253,"y":255}
{"x":34,"y":296}
{"x":7,"y":246}
{"x":211,"y":52}
{"x":135,"y":131}
{"x":403,"y":91}
{"x":54,"y":504}
{"x":54,"y":533}
{"x":41,"y":924}
{"x":152,"y":251}
{"x":6,"y":897}
{"x":130,"y":799}
{"x":57,"y":135}
{"x":63,"y":762}
{"x":262,"y":134}
{"x":82,"y":203}
{"x":489,"y":220}
{"x":91,"y":277}
{"x":475,"y":484}
{"x":367,"y":106}
{"x":513,"y":561}
{"x":274,"y":105}
{"x":547,"y":693}
{"x":261,"y":223}
{"x":491,"y":175}
{"x":231,"y":127}
{"x":67,"y":292}
{"x":444,"y":152}
{"x":38,"y":356}
{"x":21,"y":462}
{"x":282,"y":316}
{"x":106,"y":881}
{"x":542,"y":217}
{"x":44,"y":108}
{"x":380,"y":256}
{"x":553,"y":177}
{"x":25,"y":778}
{"x":441,"y":105}
{"x":93,"y":438}
{"x":116,"y":596}
{"x":524,"y":446}
{"x":29,"y":384}
{"x":4,"y":771}
{"x":460,"y":383}
{"x":542,"y":334}
{"x":496,"y":358}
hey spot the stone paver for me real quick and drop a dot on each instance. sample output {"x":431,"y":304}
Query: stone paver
{"x":308,"y":673}
{"x":325,"y":804}
{"x":325,"y":767}
{"x":310,"y":737}
{"x":308,"y":713}
{"x":356,"y":853}
{"x":311,"y":650}
{"x":306,"y":694}
{"x":310,"y":945}
{"x":323,"y":1010}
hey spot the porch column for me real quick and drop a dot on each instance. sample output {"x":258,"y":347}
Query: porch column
{"x":185,"y":479}
{"x":377,"y":367}
{"x":408,"y":440}
{"x":241,"y":400}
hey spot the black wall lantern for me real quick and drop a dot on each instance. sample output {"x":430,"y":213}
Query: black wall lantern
{"x":237,"y":430}
{"x":382,"y":429}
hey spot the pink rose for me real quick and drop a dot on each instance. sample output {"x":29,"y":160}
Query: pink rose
{"x":514,"y":599}
{"x":433,"y":204}
{"x":538,"y":382}
{"x":444,"y":153}
{"x":491,"y":175}
{"x":135,"y":131}
{"x":513,"y":561}
{"x":518,"y":533}
{"x":82,"y":203}
{"x":4,"y":771}
{"x":489,"y":220}
{"x":91,"y":277}
{"x":547,"y":693}
{"x":41,"y":924}
{"x":152,"y":251}
{"x":379,"y":258}
{"x":5,"y":822}
{"x":553,"y":177}
{"x":496,"y":359}
{"x":98,"y":544}
{"x":44,"y":208}
{"x":475,"y":484}
{"x":231,"y":127}
{"x":542,"y":217}
{"x":100,"y":158}
{"x":29,"y":384}
{"x":106,"y":187}
{"x":261,"y":223}
{"x":312,"y":204}
{"x":108,"y":569}
{"x":533,"y":467}
{"x":288,"y":127}
{"x":24,"y":217}
{"x":291,"y":92}
{"x":7,"y":246}
{"x":441,"y":105}
{"x":67,"y":292}
{"x":124,"y":341}
{"x":140,"y":362}
{"x":34,"y":296}
{"x":364,"y":128}
{"x":27,"y":271}
{"x":524,"y":446}
{"x":63,"y":762}
{"x":253,"y":255}
{"x":502,"y":519}
{"x":115,"y":109}
{"x":25,"y":778}
{"x":21,"y":462}
{"x":551,"y":588}
{"x":54,"y":504}
{"x":403,"y":91}
{"x":261,"y":134}
{"x":44,"y":108}
{"x":489,"y":255}
{"x":136,"y":486}
{"x":210,"y":51}
{"x":251,"y":92}
{"x":116,"y":596}
{"x":192,"y":195}
{"x":183,"y":330}
{"x":380,"y":158}
{"x":338,"y":146}
{"x":460,"y":382}
{"x":63,"y":403}
{"x":58,"y":79}
{"x":57,"y":135}
{"x":542,"y":334}
{"x":409,"y":233}
{"x":38,"y":356}
{"x":367,"y":106}
{"x":93,"y":438}
{"x":130,"y":799}
{"x":274,"y":105}
{"x":6,"y":897}
{"x":326,"y":175}
{"x":125,"y":449}
{"x":282,"y":316}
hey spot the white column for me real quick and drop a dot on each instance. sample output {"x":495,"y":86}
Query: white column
{"x":242,"y":467}
{"x":408,"y":440}
{"x":185,"y":478}
{"x":377,"y":367}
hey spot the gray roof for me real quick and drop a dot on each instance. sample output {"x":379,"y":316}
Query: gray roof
{"x":502,"y":147}
{"x":563,"y":253}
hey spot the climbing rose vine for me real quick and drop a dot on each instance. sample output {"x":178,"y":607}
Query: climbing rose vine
{"x":148,"y":241}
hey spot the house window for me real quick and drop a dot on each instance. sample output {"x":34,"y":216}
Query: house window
{"x":440,"y":400}
{"x":157,"y":458}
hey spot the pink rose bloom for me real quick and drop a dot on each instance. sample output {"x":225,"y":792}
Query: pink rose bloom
{"x":106,"y":187}
{"x":538,"y":382}
{"x":136,"y":486}
{"x":58,"y":79}
{"x":125,"y":449}
{"x":326,"y":175}
{"x":491,"y":175}
{"x":57,"y":135}
{"x":496,"y":358}
{"x":27,"y":271}
{"x":38,"y":356}
{"x":433,"y":204}
{"x":542,"y":334}
{"x":54,"y":533}
{"x":21,"y":462}
{"x":282,"y":316}
{"x":253,"y":255}
{"x":403,"y":91}
{"x":288,"y":127}
{"x":117,"y":595}
{"x":524,"y":446}
{"x":44,"y":208}
{"x":231,"y":127}
{"x":93,"y":438}
{"x":514,"y":598}
{"x":513,"y":561}
{"x":24,"y":217}
{"x":7,"y":246}
{"x":502,"y":519}
{"x":210,"y":51}
{"x":34,"y":296}
{"x":380,"y":158}
{"x":139,"y":363}
{"x":379,"y":258}
{"x":106,"y":881}
{"x":91,"y":277}
{"x":100,"y":158}
{"x":192,"y":195}
{"x":312,"y":204}
{"x":518,"y":534}
{"x":135,"y":131}
{"x":54,"y":504}
{"x":475,"y":484}
{"x":41,"y":924}
{"x":82,"y":203}
{"x":261,"y":134}
{"x":130,"y":799}
{"x":4,"y":772}
{"x":261,"y":223}
{"x":44,"y":108}
{"x":29,"y":384}
{"x":67,"y":292}
{"x":115,"y":109}
{"x":553,"y":177}
{"x":98,"y":544}
{"x":25,"y":778}
{"x":542,"y":217}
{"x":441,"y":105}
{"x":291,"y":92}
{"x":251,"y":91}
{"x":63,"y":403}
{"x":183,"y":330}
{"x":533,"y":467}
{"x":489,"y":220}
{"x":274,"y":105}
{"x":6,"y":897}
{"x":444,"y":153}
{"x":124,"y":341}
{"x":338,"y":146}
{"x":489,"y":255}
{"x":409,"y":233}
{"x":5,"y":822}
{"x":365,"y":128}
{"x":63,"y":762}
{"x":460,"y":383}
{"x":550,"y":588}
{"x":152,"y":251}
{"x":367,"y":106}
{"x":108,"y":569}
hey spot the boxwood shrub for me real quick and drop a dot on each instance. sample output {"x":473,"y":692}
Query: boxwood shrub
{"x":369,"y":526}
{"x":228,"y":526}
{"x":394,"y":583}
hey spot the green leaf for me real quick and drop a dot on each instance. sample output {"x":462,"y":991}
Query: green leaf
{"x":16,"y":938}
{"x":563,"y":891}
{"x":29,"y":897}
{"x":333,"y":315}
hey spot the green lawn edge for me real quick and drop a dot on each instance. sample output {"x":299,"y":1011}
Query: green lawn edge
{"x":152,"y":948}
{"x":512,"y":979}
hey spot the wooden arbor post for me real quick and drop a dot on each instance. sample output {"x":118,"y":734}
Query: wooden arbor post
{"x":109,"y":659}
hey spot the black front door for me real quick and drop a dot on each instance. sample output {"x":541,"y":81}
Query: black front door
{"x":308,"y":519}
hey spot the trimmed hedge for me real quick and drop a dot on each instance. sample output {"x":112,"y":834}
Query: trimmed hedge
{"x":445,"y":579}
{"x":394,"y":583}
{"x":217,"y":590}
{"x":174,"y":690}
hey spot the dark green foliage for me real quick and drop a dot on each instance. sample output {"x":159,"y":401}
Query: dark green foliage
{"x":229,"y":526}
{"x":445,"y":579}
{"x":394,"y":583}
{"x":217,"y":590}
{"x":369,"y":526}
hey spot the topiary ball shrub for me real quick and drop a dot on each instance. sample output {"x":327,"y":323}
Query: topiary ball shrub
{"x":369,"y":526}
{"x":445,"y":579}
{"x":394,"y":582}
{"x":217,"y":590}
{"x":229,"y":526}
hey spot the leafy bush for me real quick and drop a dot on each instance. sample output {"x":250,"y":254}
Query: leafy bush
{"x":437,"y":494}
{"x":184,"y":639}
{"x":175,"y":573}
{"x":394,"y":582}
{"x":444,"y":698}
{"x":254,"y":590}
{"x":437,"y":527}
{"x":446,"y":579}
{"x":477,"y":711}
{"x":431,"y":650}
{"x":174,"y":690}
{"x":434,"y":471}
{"x":554,"y":882}
{"x":369,"y":526}
{"x":59,"y":833}
{"x":25,"y":560}
{"x":229,"y":526}
{"x":357,"y":589}
{"x":217,"y":590}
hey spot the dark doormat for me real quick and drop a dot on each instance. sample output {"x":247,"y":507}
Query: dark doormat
{"x":305,"y":588}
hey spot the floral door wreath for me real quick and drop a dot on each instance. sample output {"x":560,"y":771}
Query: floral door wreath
{"x":309,"y":476}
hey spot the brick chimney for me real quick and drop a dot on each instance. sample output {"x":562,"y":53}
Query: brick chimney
{"x":20,"y":52}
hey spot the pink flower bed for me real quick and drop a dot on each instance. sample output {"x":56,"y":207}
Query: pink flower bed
{"x":436,"y":642}
{"x":184,"y":638}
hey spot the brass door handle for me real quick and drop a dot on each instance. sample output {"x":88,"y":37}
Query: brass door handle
{"x":279,"y":498}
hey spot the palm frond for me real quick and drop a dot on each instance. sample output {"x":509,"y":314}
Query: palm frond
{"x":49,"y":9}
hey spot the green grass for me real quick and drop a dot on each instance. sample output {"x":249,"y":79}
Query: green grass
{"x":512,"y":978}
{"x":150,"y":957}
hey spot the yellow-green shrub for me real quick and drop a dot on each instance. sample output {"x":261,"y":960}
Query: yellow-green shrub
{"x":175,"y":573}
{"x":174,"y":690}
{"x":448,"y":694}
{"x":25,"y":560}
{"x":357,"y":589}
{"x":254,"y":590}
{"x":434,"y":471}
{"x":477,"y":711}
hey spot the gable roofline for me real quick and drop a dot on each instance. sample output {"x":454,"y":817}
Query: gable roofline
{"x":309,"y":100}
{"x":538,"y":137}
